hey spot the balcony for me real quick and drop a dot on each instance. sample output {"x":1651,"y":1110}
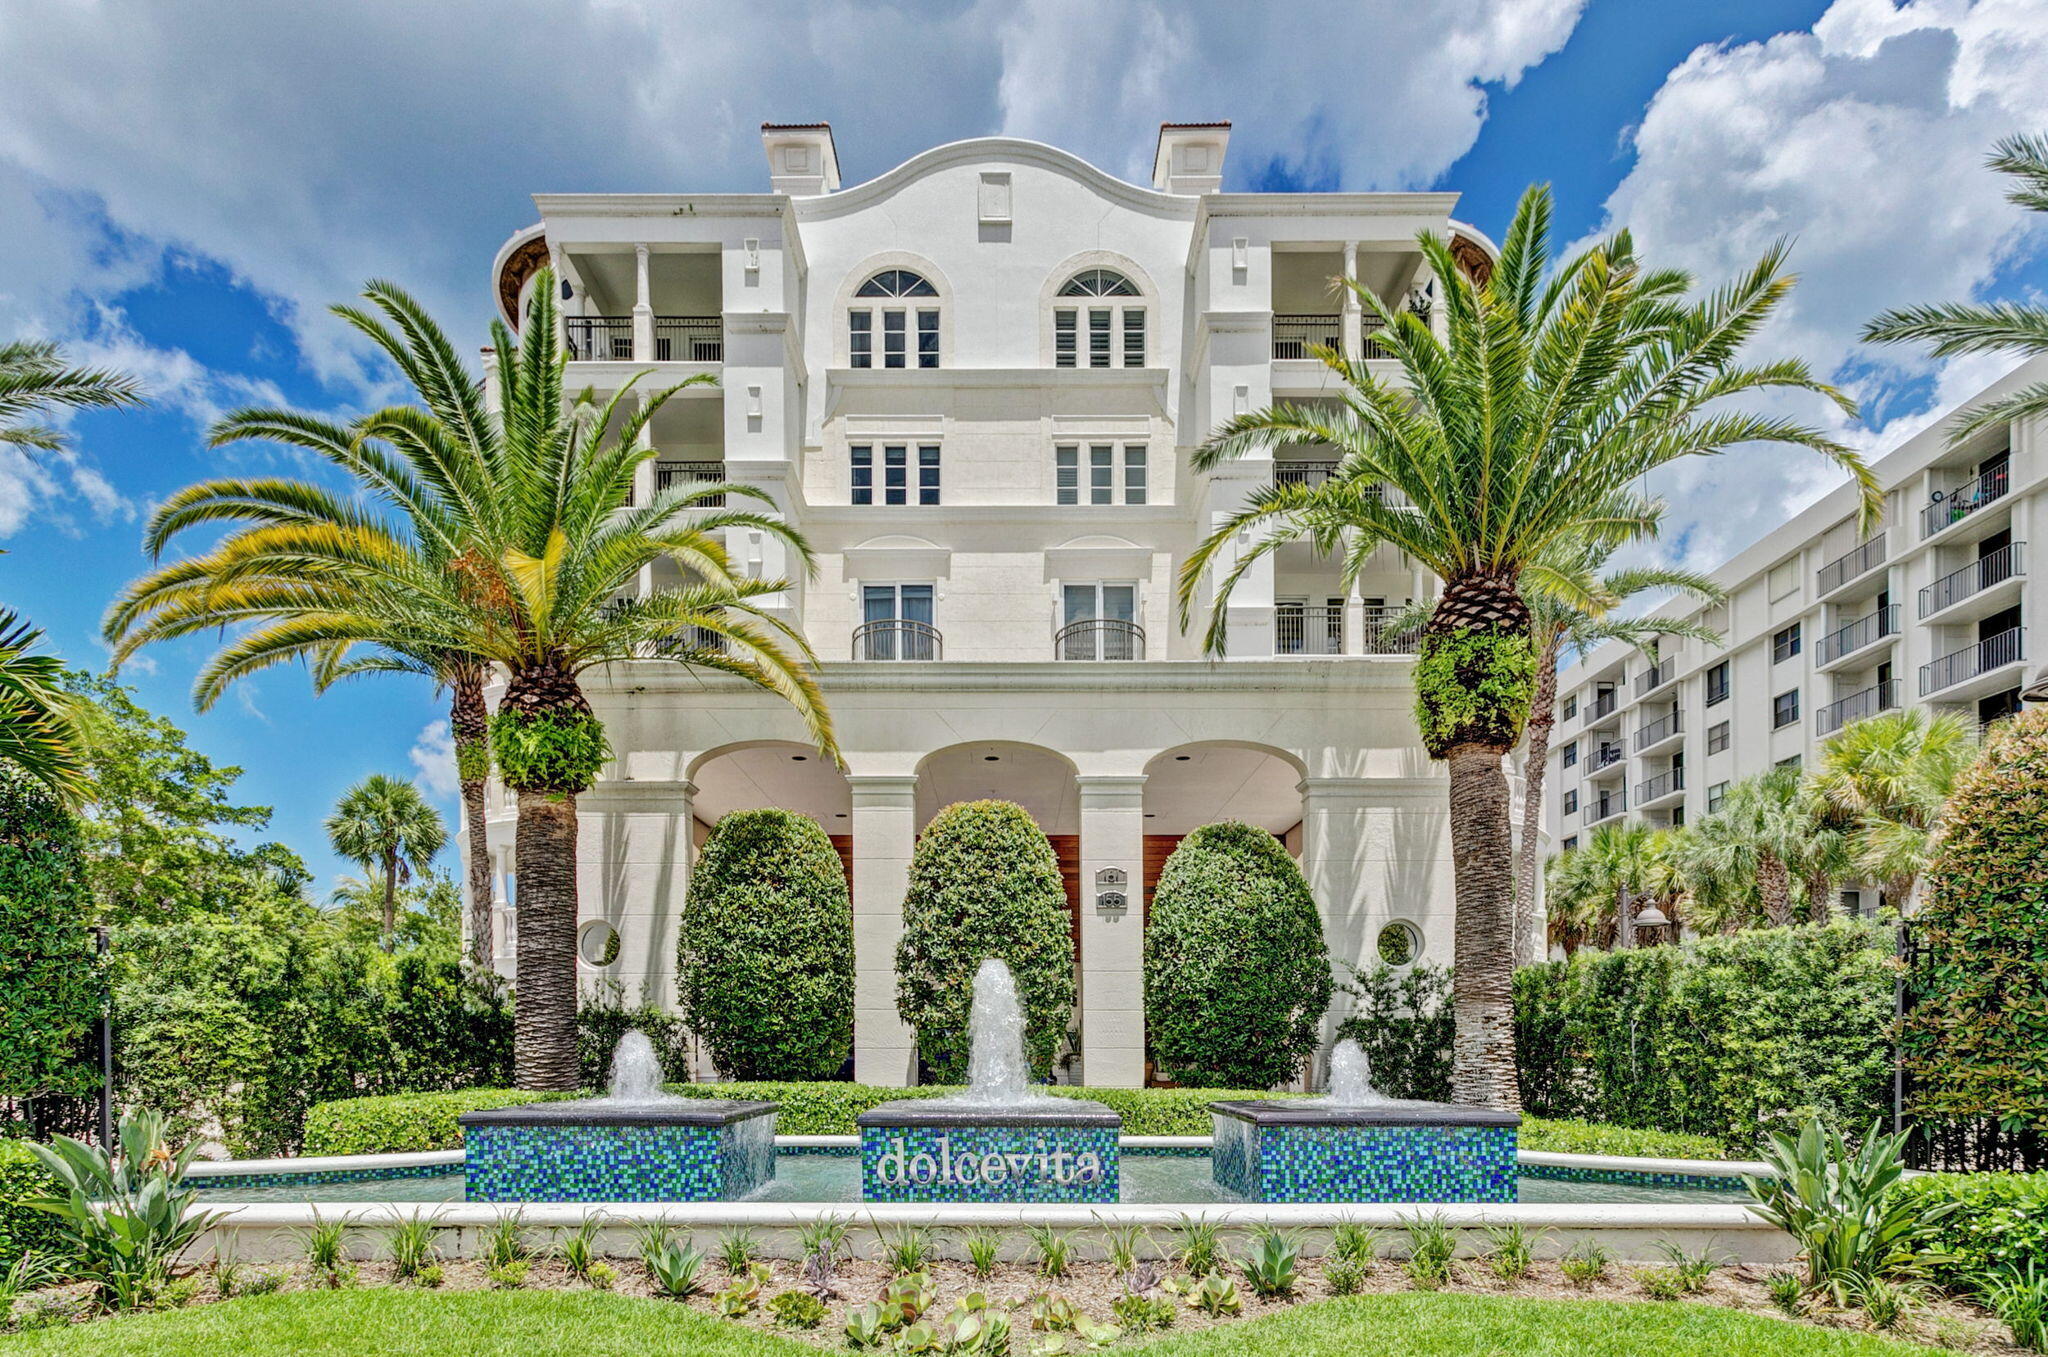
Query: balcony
{"x":1652,"y":734}
{"x":1296,"y":337}
{"x":1953,"y":506}
{"x":1099,"y":638}
{"x":1307,"y":474}
{"x":1864,"y":632}
{"x":1973,"y":661}
{"x":600,"y":339}
{"x":1603,"y":760}
{"x":689,"y":339}
{"x":1605,"y":806}
{"x":1318,"y":629}
{"x":1869,"y":702}
{"x":897,"y":639}
{"x":1849,"y":567}
{"x":684,"y":475}
{"x":1984,"y":573}
{"x":676,"y":339}
{"x":1655,"y":677}
{"x":1383,"y":637}
{"x":1603,"y":705}
{"x":1660,"y":789}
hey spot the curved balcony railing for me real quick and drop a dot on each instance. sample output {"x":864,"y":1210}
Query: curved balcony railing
{"x":1099,"y":638}
{"x":897,"y":639}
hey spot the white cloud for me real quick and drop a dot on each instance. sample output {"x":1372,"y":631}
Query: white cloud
{"x":433,"y":756}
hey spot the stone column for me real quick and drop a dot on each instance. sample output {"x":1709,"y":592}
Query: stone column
{"x":643,"y":309}
{"x":1354,"y":310}
{"x":633,"y":872}
{"x":1112,"y":940}
{"x":884,"y":833}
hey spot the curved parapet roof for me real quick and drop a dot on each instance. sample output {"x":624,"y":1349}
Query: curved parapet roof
{"x":980,"y":149}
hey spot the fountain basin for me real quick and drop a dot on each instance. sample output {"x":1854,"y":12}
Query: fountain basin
{"x":939,"y":1150}
{"x":1299,"y":1151}
{"x":599,"y":1150}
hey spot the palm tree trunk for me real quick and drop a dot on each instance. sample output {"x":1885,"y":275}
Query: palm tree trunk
{"x":544,"y":1046}
{"x":1529,"y":931}
{"x":1820,"y":897}
{"x":1774,"y":884}
{"x":469,"y":720}
{"x":390,"y":900}
{"x":1482,"y":1000}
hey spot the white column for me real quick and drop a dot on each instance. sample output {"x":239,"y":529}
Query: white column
{"x":884,"y":833}
{"x":1112,"y":940}
{"x":644,"y":481}
{"x":643,"y":309}
{"x":1354,"y":310}
{"x":633,"y":860}
{"x":560,"y":260}
{"x":504,"y":923}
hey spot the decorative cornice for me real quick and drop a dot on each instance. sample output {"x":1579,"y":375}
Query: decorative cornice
{"x":981,"y":150}
{"x":1348,"y":674}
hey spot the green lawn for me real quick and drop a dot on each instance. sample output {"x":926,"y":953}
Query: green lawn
{"x":387,"y":1322}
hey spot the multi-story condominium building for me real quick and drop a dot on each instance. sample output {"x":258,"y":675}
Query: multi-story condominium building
{"x":974,"y":384}
{"x":1824,"y":625}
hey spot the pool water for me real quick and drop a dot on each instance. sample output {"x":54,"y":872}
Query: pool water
{"x":1147,"y":1179}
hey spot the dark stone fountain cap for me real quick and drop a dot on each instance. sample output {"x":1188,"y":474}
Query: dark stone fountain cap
{"x":1291,"y":1112}
{"x":592,"y":1112}
{"x":941,"y":1111}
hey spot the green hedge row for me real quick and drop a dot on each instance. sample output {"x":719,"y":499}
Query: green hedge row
{"x":412,"y":1122}
{"x":2003,"y":1220}
{"x":23,"y":1229}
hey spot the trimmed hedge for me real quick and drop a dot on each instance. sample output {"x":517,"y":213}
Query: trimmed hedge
{"x":765,"y":959}
{"x":49,"y":977}
{"x":1588,"y":1137}
{"x":2003,"y":1221}
{"x":21,"y":1228}
{"x":404,"y":1123}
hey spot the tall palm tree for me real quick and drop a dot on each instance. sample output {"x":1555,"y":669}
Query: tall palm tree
{"x":1980,"y":327}
{"x":1890,"y":775}
{"x":384,"y":825}
{"x":1522,"y":432}
{"x":514,"y":544}
{"x":1738,"y":863}
{"x":35,"y":379}
{"x":37,"y":729}
{"x":1620,"y":866}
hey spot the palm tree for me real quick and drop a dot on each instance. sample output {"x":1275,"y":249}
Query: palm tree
{"x":385,"y":825}
{"x":1890,"y":775}
{"x":1619,"y":867}
{"x":1739,"y":861}
{"x":515,"y":546}
{"x":37,"y":727}
{"x":34,"y":379}
{"x":1519,"y":434}
{"x":1995,"y":327}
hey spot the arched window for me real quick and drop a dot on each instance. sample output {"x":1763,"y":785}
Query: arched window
{"x":1115,"y":329}
{"x":890,"y":291}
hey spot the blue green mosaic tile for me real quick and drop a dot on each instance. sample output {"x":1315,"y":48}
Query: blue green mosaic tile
{"x":1557,"y":1173}
{"x":227,"y":1182}
{"x":617,"y":1163}
{"x":1338,"y":1163}
{"x":1041,"y":1163}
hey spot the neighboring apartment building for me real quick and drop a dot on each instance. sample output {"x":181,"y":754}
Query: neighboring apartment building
{"x":1823,"y":626}
{"x":974,"y":383}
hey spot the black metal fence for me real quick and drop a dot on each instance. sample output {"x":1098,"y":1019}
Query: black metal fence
{"x":1951,"y":1144}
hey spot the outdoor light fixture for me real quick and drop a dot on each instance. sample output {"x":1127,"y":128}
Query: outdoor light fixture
{"x":1652,"y":917}
{"x":991,"y":758}
{"x":798,"y":758}
{"x":567,"y":291}
{"x":2037,"y":691}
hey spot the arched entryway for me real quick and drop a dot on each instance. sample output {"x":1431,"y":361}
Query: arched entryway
{"x":1200,"y":784}
{"x":1036,"y":778}
{"x":772,"y":774}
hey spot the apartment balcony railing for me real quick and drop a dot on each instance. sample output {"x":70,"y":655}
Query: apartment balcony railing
{"x":1992,"y":568}
{"x":1658,"y":731}
{"x":1308,"y":474}
{"x":1308,"y":629}
{"x":1993,"y":652}
{"x":1297,"y":336}
{"x":1605,"y":806}
{"x":600,"y":339}
{"x":1099,"y":638}
{"x":1655,"y":677}
{"x":1602,"y":758}
{"x":1851,"y":565}
{"x":1869,"y":702}
{"x":897,"y":639}
{"x":689,"y":339}
{"x":1664,"y":784}
{"x":1953,"y":506}
{"x":683,"y":475}
{"x":1368,"y":346}
{"x":695,"y":638}
{"x":1864,"y":631}
{"x":1603,"y":705}
{"x":1383,"y":637}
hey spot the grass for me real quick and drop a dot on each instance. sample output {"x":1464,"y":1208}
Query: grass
{"x":397,"y":1323}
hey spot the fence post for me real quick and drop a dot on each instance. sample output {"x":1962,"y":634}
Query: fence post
{"x":106,"y":1044}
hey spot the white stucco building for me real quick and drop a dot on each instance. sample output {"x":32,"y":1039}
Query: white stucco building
{"x":974,"y":383}
{"x":1823,"y":626}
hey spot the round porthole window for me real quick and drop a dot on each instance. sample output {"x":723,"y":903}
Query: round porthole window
{"x":597,"y":942}
{"x":1400,"y":943}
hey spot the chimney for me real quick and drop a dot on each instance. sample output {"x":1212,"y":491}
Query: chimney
{"x":1190,"y":157}
{"x":801,"y":159}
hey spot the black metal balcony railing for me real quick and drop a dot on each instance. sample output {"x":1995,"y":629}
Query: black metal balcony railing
{"x":1849,"y":639}
{"x":1655,"y":677}
{"x":897,"y":639}
{"x":1995,"y":567}
{"x":1606,"y":806}
{"x":1868,"y":702}
{"x":689,"y":339}
{"x":1297,"y":336}
{"x":1953,"y":506}
{"x":1603,"y":705}
{"x":1308,"y":629}
{"x":1664,"y":784}
{"x":683,"y":475}
{"x":1309,"y":474}
{"x":600,"y":339}
{"x":1099,"y":638}
{"x":1658,"y":731}
{"x":1993,"y":652}
{"x":1851,"y":565}
{"x":1604,"y":757}
{"x":695,"y":638}
{"x":1382,"y":637}
{"x":1369,"y":347}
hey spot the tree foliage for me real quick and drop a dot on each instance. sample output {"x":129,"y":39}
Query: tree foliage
{"x":984,"y":883}
{"x":1237,"y":976}
{"x":765,"y":960}
{"x":49,"y":977}
{"x":1401,"y":1019}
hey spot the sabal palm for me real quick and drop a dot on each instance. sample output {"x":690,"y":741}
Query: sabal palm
{"x":1889,"y":776}
{"x":34,"y":379}
{"x":1986,"y":327}
{"x":1521,"y":433}
{"x":38,"y":733}
{"x":1738,"y":863}
{"x":384,"y":825}
{"x":1618,"y":866}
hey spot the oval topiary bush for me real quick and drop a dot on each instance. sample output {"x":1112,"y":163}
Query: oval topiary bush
{"x":765,"y":961}
{"x":983,"y":883}
{"x":49,"y":976}
{"x":1236,"y":972}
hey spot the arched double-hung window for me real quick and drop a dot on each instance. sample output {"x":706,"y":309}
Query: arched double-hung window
{"x":888,"y":309}
{"x":1098,"y":321}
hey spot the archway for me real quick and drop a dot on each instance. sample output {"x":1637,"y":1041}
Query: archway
{"x":1199,"y":784}
{"x":772,"y":774}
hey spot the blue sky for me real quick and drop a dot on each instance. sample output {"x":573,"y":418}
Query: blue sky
{"x":187,"y":186}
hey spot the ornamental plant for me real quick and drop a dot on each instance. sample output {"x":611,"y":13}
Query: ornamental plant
{"x":765,"y":961}
{"x":49,"y":978}
{"x":1237,"y":976}
{"x":984,"y":883}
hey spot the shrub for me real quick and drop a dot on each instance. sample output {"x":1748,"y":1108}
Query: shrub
{"x":1973,"y":1038}
{"x":49,"y":977}
{"x":765,"y":961}
{"x":23,"y":1229}
{"x":1402,"y":1021}
{"x":1584,"y":1137}
{"x":984,"y":883}
{"x":2000,"y":1221}
{"x":604,"y":1017}
{"x":1237,"y":977}
{"x":405,"y":1123}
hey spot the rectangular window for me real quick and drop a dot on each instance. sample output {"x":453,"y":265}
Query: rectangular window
{"x":1678,"y":817}
{"x":1134,"y":338}
{"x":1716,"y":794}
{"x":1571,"y":803}
{"x":928,"y":475}
{"x":1134,"y":473}
{"x":1099,"y":336}
{"x":1067,"y":475}
{"x":1571,"y":754}
{"x":1064,"y":338}
{"x":1101,"y":474}
{"x":927,"y":339}
{"x":892,"y":339}
{"x":1717,"y":683}
{"x":1107,"y":477}
{"x":1571,"y":841}
{"x":863,"y":475}
{"x":1784,"y":709}
{"x":1717,"y":737}
{"x":1852,"y":903}
{"x":895,"y":475}
{"x":1571,"y":706}
{"x":1792,"y":762}
{"x":1785,"y":644}
{"x":861,"y":338}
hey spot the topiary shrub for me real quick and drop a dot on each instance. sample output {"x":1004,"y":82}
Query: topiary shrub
{"x":983,"y":883}
{"x":1973,"y":1039}
{"x":49,"y":977}
{"x":1237,"y":976}
{"x":765,"y":960}
{"x":23,"y":1229}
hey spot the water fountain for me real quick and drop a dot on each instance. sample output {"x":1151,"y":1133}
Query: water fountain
{"x":998,"y":1141}
{"x":637,"y":1143}
{"x":1355,"y":1144}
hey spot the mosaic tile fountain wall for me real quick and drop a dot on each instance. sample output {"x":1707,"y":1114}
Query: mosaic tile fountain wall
{"x":981,"y":1163}
{"x":617,"y":1163}
{"x":1336,"y":1163}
